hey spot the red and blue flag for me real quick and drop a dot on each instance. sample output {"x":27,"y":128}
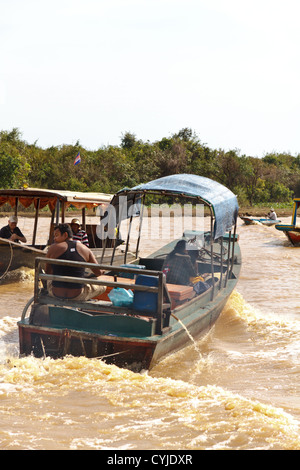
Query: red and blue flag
{"x":77,"y":159}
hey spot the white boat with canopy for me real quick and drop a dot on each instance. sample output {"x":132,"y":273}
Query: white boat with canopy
{"x":16,"y":255}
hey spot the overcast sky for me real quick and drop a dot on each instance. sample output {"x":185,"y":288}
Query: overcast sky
{"x":91,"y":70}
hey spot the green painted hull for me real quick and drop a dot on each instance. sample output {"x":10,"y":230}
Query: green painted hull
{"x":124,"y":340}
{"x":134,"y":350}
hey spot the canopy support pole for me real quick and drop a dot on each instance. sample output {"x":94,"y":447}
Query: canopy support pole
{"x":83,"y":224}
{"x":115,"y":244}
{"x":228,"y":258}
{"x":16,"y":206}
{"x":51,"y":224}
{"x":221,"y":273}
{"x":57,"y":212}
{"x":62,"y":212}
{"x":129,"y":230}
{"x":140,"y":228}
{"x":36,"y":220}
{"x":212,"y":252}
{"x":232,"y":256}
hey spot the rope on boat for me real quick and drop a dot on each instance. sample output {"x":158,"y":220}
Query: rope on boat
{"x":109,"y":355}
{"x":9,"y":264}
{"x":43,"y":348}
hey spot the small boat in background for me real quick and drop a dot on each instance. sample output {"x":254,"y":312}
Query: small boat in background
{"x":161,"y":317}
{"x":16,"y":255}
{"x":255,"y":220}
{"x":292,"y":231}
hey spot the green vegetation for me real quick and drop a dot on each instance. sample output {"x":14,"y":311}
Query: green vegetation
{"x":255,"y":181}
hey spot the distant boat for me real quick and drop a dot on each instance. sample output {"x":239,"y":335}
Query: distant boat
{"x":161,"y":317}
{"x":263,"y":221}
{"x":16,"y":255}
{"x":292,"y":231}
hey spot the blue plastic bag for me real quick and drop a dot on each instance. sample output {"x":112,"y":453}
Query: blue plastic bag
{"x":121,"y":297}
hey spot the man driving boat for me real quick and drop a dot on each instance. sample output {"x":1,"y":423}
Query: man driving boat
{"x":12,"y":232}
{"x":178,"y":266}
{"x":272,"y":214}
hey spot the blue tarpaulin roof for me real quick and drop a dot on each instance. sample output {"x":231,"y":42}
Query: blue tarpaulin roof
{"x":222,"y":200}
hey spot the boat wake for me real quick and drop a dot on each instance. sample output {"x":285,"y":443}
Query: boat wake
{"x":7,"y":325}
{"x":9,"y":341}
{"x":18,"y":275}
{"x":189,"y":401}
{"x":120,"y":409}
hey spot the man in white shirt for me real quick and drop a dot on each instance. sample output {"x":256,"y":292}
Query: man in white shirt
{"x":272,"y":214}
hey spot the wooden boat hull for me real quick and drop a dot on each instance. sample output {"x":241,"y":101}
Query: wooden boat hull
{"x":292,"y":233}
{"x":135,"y":353}
{"x":254,"y":221}
{"x":14,"y":256}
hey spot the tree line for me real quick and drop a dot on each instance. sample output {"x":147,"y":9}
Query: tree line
{"x":273,"y":178}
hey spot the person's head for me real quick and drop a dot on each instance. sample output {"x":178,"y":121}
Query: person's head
{"x":62,"y":232}
{"x":12,"y":222}
{"x":75,"y":225}
{"x":180,"y":247}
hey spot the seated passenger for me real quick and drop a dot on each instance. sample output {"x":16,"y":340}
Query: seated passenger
{"x":272,"y":214}
{"x":78,"y":233}
{"x":178,"y":266}
{"x":66,"y":248}
{"x":11,"y":231}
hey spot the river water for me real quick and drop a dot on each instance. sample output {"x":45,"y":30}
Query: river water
{"x":237,"y":390}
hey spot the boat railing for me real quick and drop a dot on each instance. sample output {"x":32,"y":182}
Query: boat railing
{"x":163,"y":299}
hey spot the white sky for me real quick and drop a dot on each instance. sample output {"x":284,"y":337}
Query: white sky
{"x":91,"y":70}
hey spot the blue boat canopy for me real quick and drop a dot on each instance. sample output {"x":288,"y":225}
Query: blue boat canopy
{"x":221,"y":199}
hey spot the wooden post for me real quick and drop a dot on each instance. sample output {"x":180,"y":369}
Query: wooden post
{"x":36,"y":220}
{"x":50,"y":229}
{"x":63,"y":212}
{"x":83,"y":222}
{"x":57,"y":212}
{"x":16,"y":206}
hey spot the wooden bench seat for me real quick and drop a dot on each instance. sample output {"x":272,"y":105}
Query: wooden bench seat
{"x":180,"y":294}
{"x":177,"y":292}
